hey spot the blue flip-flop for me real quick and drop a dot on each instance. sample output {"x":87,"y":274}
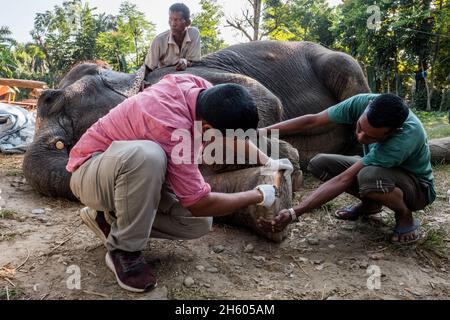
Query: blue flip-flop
{"x":401,"y":231}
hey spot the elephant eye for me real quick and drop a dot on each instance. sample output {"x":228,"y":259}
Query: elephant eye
{"x":57,"y":143}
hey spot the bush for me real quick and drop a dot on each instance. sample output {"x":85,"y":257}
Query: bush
{"x":420,"y":100}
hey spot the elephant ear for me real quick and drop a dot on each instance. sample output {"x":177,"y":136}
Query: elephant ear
{"x":50,"y":102}
{"x":124,"y":84}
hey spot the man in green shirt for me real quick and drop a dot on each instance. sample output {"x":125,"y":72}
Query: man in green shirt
{"x":395,"y":171}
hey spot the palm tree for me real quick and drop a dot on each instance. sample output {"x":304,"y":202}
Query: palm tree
{"x":7,"y":63}
{"x":5,"y":37}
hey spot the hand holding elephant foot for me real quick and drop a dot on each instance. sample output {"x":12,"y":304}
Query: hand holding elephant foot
{"x":276,"y":224}
{"x":247,"y":179}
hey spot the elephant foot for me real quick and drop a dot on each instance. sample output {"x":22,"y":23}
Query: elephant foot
{"x":247,"y":179}
{"x":297,"y":180}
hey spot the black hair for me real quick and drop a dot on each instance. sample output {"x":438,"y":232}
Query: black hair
{"x":387,"y":111}
{"x":181,"y":7}
{"x":228,"y":106}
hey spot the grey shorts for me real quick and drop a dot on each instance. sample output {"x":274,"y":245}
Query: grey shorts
{"x":371,"y":179}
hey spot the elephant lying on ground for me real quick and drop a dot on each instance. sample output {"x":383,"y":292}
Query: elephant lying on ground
{"x":285,"y":79}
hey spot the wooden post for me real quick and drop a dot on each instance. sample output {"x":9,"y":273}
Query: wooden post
{"x":29,"y":84}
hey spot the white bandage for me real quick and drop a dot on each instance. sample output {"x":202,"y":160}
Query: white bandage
{"x":269,"y":195}
{"x":277,"y":165}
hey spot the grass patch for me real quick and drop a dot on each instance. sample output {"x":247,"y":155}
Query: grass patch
{"x":11,"y":293}
{"x":7,"y":214}
{"x":441,"y":168}
{"x":14,"y":173}
{"x":442,"y":184}
{"x":435,"y":241}
{"x":435,"y":123}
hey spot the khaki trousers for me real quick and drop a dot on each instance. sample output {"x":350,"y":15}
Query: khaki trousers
{"x":129,"y":179}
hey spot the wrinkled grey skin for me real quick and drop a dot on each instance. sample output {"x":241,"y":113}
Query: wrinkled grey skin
{"x":286,"y":80}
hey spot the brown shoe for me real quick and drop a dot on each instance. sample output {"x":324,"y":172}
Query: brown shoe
{"x":96,"y":221}
{"x":131,"y":270}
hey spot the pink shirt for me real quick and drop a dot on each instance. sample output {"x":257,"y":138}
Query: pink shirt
{"x":153,"y":115}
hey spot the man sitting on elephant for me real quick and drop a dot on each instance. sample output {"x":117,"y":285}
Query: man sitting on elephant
{"x":127,"y":164}
{"x":395,"y":170}
{"x":180,"y":46}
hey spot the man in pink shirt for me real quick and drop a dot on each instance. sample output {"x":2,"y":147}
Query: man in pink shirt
{"x":125,"y":165}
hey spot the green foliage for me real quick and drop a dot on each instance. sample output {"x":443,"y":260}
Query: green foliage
{"x":207,"y":21}
{"x":435,"y":241}
{"x":132,"y":24}
{"x":412,"y":36}
{"x":125,"y":46}
{"x":435,"y":123}
{"x":7,"y":63}
{"x":112,"y":47}
{"x":13,"y":293}
{"x":7,"y":214}
{"x":64,"y":35}
{"x":305,"y":20}
{"x":71,"y":33}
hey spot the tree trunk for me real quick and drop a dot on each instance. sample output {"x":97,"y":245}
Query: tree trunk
{"x":428,"y":95}
{"x":137,"y":50}
{"x":444,"y":98}
{"x":249,"y":20}
{"x":440,"y":150}
{"x":256,"y":18}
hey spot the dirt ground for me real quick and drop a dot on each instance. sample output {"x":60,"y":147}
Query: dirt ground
{"x":322,"y":258}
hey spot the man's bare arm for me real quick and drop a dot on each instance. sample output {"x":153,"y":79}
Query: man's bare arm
{"x":250,"y":151}
{"x":326,"y":192}
{"x":220,"y":204}
{"x":330,"y":189}
{"x":300,"y":124}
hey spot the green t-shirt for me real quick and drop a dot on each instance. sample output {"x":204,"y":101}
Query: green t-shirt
{"x":407,"y":149}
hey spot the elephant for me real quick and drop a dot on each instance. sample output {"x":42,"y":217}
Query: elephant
{"x":286,"y":80}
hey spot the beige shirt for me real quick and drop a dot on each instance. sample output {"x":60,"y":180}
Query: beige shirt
{"x":165,"y":52}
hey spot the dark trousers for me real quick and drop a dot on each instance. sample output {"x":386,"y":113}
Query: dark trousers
{"x":371,"y":179}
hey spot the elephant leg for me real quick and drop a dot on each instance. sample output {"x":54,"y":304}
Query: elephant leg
{"x":247,"y":179}
{"x":273,"y":147}
{"x":270,"y":111}
{"x":286,"y":150}
{"x":341,"y":74}
{"x":269,"y":106}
